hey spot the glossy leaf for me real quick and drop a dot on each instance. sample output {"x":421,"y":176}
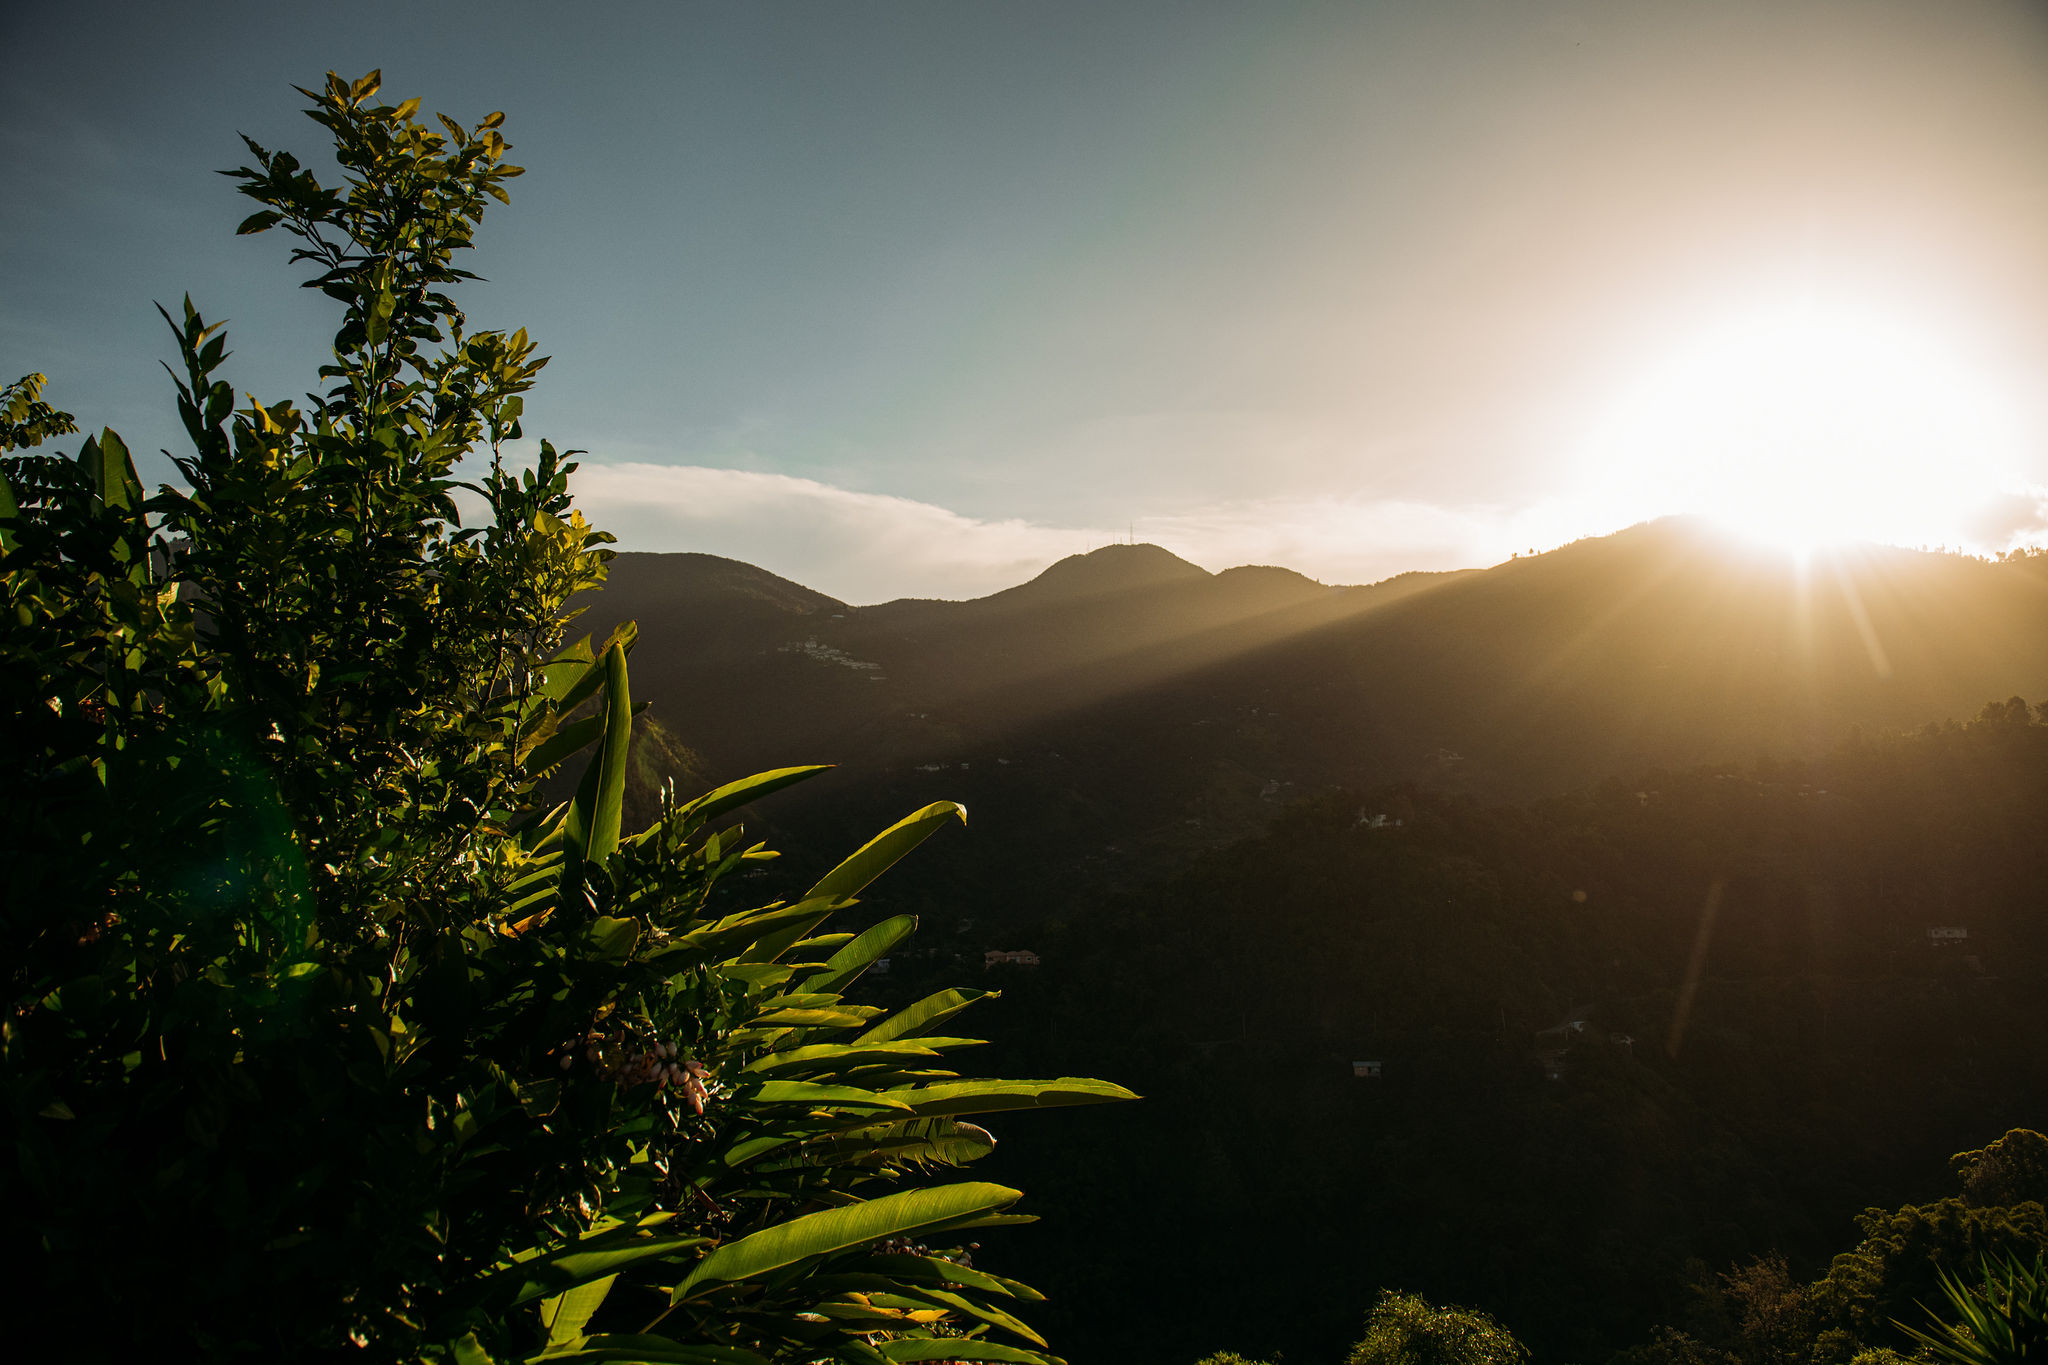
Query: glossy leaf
{"x":882,"y":852}
{"x":833,"y":1230}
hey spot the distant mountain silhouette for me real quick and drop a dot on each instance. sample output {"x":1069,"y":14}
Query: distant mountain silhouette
{"x":1133,"y":707}
{"x":1111,"y":569}
{"x":750,"y":668}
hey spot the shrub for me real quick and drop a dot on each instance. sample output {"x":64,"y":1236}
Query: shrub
{"x":325,"y":1035}
{"x":1406,"y":1329}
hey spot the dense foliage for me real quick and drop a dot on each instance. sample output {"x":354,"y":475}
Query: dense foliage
{"x":325,"y":1033}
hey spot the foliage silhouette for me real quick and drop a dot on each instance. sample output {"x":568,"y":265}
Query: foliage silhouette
{"x":326,"y":1035}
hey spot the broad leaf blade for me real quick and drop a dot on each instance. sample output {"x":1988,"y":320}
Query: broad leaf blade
{"x":880,"y":853}
{"x":846,"y":965}
{"x":927,"y":1013}
{"x":733,"y":795}
{"x":831,"y":1230}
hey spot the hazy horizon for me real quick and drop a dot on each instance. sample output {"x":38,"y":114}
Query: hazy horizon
{"x":913,"y":299}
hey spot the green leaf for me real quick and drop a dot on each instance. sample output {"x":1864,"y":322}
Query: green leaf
{"x":563,"y":742}
{"x":745,"y":929}
{"x":810,"y":1093}
{"x":733,"y":795}
{"x":647,"y":1350}
{"x":611,"y":939}
{"x":592,"y":1258}
{"x":932,"y":1270}
{"x":576,"y":673}
{"x":989,"y":1097}
{"x":944,"y":1140}
{"x":112,"y":470}
{"x":840,"y":1053}
{"x":832,"y":1230}
{"x":927,"y":1013}
{"x":599,"y":807}
{"x":963,"y":1348}
{"x":845,"y":966}
{"x":880,"y":853}
{"x":566,"y":1315}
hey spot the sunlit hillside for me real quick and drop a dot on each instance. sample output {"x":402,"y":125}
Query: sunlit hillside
{"x":1133,"y":708}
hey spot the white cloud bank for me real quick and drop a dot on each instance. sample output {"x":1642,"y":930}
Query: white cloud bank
{"x":869,"y":547}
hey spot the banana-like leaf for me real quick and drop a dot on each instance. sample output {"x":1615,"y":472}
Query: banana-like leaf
{"x":563,"y":742}
{"x":880,"y":853}
{"x":107,"y":463}
{"x":907,"y":1349}
{"x":596,"y":814}
{"x":610,"y":939}
{"x":566,"y":1315}
{"x":733,"y":795}
{"x":944,"y":1140}
{"x":932,"y":1270}
{"x":773,"y":946}
{"x":929,"y":1012}
{"x":988,"y":1313}
{"x":855,"y":1351}
{"x":641,"y":1350}
{"x":592,"y":1258}
{"x":813,"y":1017}
{"x":989,"y":1097}
{"x":841,"y":1229}
{"x":713,"y":941}
{"x":575,"y":674}
{"x":804,"y":1092}
{"x":846,"y":965}
{"x":840,"y":1055}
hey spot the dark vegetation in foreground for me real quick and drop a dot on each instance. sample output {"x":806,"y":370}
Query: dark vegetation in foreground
{"x":1564,"y":1132}
{"x":325,"y":1034}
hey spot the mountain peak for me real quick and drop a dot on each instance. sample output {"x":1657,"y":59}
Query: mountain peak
{"x":1111,"y":569}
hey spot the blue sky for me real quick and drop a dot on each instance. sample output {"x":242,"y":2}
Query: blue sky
{"x":912,"y":298}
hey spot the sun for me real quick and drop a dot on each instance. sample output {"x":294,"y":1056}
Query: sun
{"x":1806,"y":423}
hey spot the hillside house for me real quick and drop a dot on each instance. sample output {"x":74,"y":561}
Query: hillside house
{"x":1019,"y":957}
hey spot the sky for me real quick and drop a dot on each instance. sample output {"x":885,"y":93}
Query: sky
{"x":913,"y":297}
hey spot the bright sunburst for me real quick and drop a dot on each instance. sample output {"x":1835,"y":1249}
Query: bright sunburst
{"x":1805,"y":424}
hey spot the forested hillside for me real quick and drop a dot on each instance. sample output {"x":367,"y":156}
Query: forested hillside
{"x":1127,"y":711}
{"x":1627,"y":1038}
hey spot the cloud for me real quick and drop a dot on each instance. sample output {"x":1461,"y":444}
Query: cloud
{"x":2011,"y":518}
{"x":861,"y":547}
{"x":870,"y":547}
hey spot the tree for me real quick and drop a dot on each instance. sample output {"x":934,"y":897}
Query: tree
{"x":325,"y":1033}
{"x":2012,"y":1170}
{"x":1406,"y":1329}
{"x":26,"y":420}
